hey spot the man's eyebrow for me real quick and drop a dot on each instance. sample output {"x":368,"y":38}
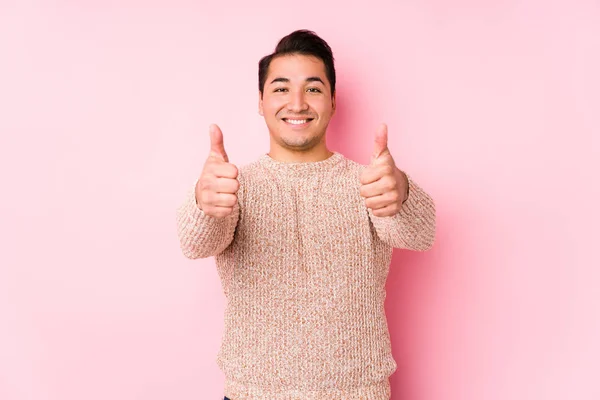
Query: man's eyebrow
{"x":315,"y":79}
{"x":309,"y":79}
{"x":284,"y":80}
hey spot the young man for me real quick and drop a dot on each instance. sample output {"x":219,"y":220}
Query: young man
{"x":303,"y":239}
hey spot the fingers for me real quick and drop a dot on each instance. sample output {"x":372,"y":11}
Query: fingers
{"x":226,"y":185}
{"x":384,"y":185}
{"x":381,"y":142}
{"x":221,"y":169}
{"x":383,"y":200}
{"x":220,"y":185}
{"x":379,"y":188}
{"x":217,"y":147}
{"x":217,"y":196}
{"x":387,"y":211}
{"x":379,"y":180}
{"x":375,"y":172}
{"x":218,"y":199}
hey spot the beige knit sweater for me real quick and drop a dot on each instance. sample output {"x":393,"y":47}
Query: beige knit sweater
{"x":303,"y":265}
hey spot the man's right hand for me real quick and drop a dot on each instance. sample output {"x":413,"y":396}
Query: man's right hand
{"x":217,"y":187}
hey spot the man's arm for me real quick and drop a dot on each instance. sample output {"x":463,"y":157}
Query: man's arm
{"x":207,"y":219}
{"x":401,"y":212}
{"x":413,"y":227}
{"x":202,"y":235}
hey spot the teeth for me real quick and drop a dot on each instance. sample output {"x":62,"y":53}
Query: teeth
{"x":297,"y":121}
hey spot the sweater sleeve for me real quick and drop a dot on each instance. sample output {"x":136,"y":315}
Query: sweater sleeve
{"x":202,"y":235}
{"x":413,"y":227}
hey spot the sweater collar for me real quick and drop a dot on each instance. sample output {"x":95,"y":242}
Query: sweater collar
{"x":282,"y":166}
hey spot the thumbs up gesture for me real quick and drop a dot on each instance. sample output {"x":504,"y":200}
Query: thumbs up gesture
{"x":383,"y":185}
{"x":217,"y":186}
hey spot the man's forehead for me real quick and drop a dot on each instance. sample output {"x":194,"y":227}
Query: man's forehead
{"x":296,"y":67}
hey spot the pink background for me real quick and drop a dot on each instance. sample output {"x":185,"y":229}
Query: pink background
{"x":492,"y":106}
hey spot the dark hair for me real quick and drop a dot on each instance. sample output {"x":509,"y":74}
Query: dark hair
{"x":303,"y":42}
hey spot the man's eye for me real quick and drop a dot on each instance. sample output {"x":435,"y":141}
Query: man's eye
{"x":314,"y":90}
{"x":280,"y":90}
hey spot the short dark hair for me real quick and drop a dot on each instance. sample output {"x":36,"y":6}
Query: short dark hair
{"x":303,"y":42}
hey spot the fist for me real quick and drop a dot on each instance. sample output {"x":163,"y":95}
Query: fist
{"x":216,"y":189}
{"x":383,"y":185}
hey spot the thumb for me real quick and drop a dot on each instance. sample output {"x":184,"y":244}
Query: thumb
{"x":217,"y":148}
{"x":381,"y":142}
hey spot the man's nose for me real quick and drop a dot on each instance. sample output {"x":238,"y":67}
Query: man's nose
{"x":297,"y":102}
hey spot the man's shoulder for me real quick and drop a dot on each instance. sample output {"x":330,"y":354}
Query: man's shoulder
{"x":251,"y":169}
{"x":350,"y":166}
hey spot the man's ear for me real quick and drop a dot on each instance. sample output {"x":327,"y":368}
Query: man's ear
{"x":333,"y":104}
{"x":260,"y":103}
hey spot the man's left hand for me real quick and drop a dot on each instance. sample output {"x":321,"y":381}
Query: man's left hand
{"x":383,"y":185}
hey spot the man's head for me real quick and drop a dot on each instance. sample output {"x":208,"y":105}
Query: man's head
{"x":302,"y":42}
{"x":297,"y":92}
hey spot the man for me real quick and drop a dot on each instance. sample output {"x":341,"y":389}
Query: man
{"x":303,"y":239}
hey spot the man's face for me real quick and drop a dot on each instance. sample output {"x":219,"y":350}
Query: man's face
{"x":296,"y":102}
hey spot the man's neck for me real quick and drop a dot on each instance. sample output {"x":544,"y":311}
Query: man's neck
{"x":287,"y":156}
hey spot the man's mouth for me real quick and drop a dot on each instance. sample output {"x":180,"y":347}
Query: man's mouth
{"x":297,"y":121}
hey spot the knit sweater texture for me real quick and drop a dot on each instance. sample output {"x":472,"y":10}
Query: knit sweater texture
{"x":303,"y":265}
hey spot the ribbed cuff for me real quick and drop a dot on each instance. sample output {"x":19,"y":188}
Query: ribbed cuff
{"x":378,"y":391}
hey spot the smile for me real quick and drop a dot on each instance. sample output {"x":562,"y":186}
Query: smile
{"x":297,"y":121}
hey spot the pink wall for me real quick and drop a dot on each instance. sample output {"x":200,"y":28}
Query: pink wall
{"x":492,"y":106}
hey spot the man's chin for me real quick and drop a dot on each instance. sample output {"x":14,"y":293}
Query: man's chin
{"x":300,"y":145}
